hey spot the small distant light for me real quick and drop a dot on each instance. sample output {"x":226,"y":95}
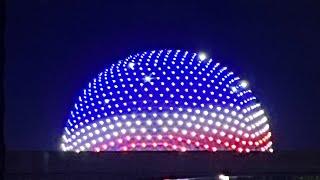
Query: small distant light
{"x":234,"y":89}
{"x":147,"y":79}
{"x":131,"y":65}
{"x":202,"y":56}
{"x":244,"y":83}
{"x":271,"y":150}
{"x":223,"y":177}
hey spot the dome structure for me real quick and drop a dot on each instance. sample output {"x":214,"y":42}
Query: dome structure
{"x":167,"y":100}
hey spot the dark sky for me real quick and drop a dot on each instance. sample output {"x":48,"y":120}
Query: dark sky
{"x":53,"y":48}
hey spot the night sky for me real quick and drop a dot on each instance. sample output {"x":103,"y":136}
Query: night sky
{"x":54,"y":48}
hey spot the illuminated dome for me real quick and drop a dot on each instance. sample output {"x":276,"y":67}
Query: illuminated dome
{"x":167,"y":100}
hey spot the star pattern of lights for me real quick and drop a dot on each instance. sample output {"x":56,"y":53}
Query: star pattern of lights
{"x":167,"y":100}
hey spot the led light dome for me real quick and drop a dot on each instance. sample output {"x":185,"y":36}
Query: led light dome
{"x":167,"y":100}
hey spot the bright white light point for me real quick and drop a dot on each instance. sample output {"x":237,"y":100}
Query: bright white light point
{"x":223,"y":177}
{"x":147,"y":79}
{"x":131,"y":65}
{"x":143,"y":130}
{"x":244,"y":83}
{"x":202,"y":56}
{"x":185,"y":116}
{"x":164,"y":129}
{"x":271,"y":150}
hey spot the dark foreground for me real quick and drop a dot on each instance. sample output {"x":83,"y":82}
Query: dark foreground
{"x":161,"y":165}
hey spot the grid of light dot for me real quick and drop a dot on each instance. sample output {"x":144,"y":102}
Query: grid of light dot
{"x":167,"y":100}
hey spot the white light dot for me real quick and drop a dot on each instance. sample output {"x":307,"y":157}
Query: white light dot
{"x":244,"y":83}
{"x":202,"y":56}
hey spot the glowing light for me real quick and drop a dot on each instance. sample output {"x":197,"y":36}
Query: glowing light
{"x":244,"y":84}
{"x":202,"y":56}
{"x":223,"y":177}
{"x":147,"y":79}
{"x":131,"y":65}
